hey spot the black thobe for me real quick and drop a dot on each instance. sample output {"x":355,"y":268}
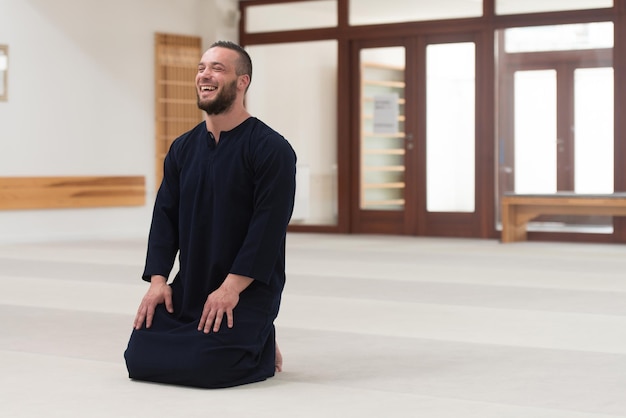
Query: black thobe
{"x":224,"y":208}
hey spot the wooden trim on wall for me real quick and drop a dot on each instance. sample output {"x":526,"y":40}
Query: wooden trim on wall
{"x":71,"y":192}
{"x":619,"y":152}
{"x":344,"y":170}
{"x":485,"y":135}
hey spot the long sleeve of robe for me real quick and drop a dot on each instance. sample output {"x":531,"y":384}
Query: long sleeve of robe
{"x":222,"y":208}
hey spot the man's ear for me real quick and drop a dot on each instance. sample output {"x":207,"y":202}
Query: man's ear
{"x":244,"y":81}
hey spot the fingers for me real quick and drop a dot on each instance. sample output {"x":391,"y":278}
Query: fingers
{"x":169,"y":305}
{"x":139,"y":318}
{"x":218,"y":322}
{"x":220,"y":317}
{"x":144,"y":313}
{"x":207,"y":318}
{"x":204,"y":319}
{"x":149,"y":316}
{"x":220,"y":303}
{"x":229,"y":318}
{"x":157,"y":294}
{"x":211,"y":320}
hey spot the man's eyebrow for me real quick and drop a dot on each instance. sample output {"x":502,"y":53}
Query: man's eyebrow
{"x":212,"y":63}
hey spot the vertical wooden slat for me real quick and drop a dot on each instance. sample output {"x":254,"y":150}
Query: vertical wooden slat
{"x":176,"y":110}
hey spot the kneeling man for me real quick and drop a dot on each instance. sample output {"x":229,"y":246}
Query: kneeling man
{"x":223,"y":207}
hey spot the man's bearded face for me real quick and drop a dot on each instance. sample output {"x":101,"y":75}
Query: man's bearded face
{"x":222,"y":102}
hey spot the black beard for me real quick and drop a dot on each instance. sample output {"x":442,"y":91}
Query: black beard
{"x":222,"y":102}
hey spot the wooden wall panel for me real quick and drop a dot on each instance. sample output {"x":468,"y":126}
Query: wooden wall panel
{"x":176,"y":64}
{"x":71,"y":192}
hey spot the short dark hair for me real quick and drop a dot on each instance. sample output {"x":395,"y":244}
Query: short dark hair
{"x":244,"y":63}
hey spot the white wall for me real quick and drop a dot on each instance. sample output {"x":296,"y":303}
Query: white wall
{"x":81,"y":100}
{"x":293,"y":90}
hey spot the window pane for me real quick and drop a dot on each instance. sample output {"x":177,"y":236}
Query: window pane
{"x":305,"y":114}
{"x":291,"y":16}
{"x":382,"y":160}
{"x":367,"y":12}
{"x":594,"y":130}
{"x":450,"y":123}
{"x":559,"y":37}
{"x":504,"y":7}
{"x":535,"y":131}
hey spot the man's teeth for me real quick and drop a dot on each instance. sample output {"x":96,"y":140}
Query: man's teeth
{"x":207,"y":88}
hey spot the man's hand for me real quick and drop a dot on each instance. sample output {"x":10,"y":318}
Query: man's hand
{"x":222,"y":302}
{"x":159,"y":292}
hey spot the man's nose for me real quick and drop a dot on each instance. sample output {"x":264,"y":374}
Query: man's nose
{"x":204,"y":73}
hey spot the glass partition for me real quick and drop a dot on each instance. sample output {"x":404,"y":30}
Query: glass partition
{"x":291,"y":16}
{"x":572,"y":37}
{"x":593,"y":130}
{"x":370,"y":12}
{"x":294,"y":90}
{"x":504,"y":7}
{"x":535,"y":131}
{"x":450,"y":125}
{"x":382,"y":137}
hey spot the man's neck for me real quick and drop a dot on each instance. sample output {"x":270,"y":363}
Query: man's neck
{"x":225,"y":121}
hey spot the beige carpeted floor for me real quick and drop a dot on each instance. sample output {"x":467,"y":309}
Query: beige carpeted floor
{"x":370,"y":327}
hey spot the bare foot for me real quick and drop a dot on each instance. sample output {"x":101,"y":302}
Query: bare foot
{"x":279,"y":360}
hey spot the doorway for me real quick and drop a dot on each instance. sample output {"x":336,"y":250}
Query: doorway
{"x":555,"y":127}
{"x":414,"y":136}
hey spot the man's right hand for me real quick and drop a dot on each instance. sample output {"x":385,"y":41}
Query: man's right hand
{"x":159,"y":292}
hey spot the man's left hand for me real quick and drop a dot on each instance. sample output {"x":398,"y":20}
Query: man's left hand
{"x":222,"y":302}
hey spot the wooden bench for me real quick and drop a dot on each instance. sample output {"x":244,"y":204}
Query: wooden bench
{"x":71,"y":192}
{"x":519,"y":209}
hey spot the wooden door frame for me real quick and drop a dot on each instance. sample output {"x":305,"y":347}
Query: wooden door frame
{"x":415,"y":219}
{"x":460,"y":224}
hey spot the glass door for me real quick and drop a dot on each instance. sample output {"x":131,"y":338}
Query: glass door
{"x":414,"y":141}
{"x":381,"y":138}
